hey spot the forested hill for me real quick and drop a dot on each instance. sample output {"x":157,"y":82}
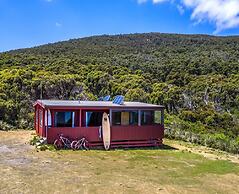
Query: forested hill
{"x":196,"y":77}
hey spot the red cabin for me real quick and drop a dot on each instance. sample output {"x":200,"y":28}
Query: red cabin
{"x":132,"y":124}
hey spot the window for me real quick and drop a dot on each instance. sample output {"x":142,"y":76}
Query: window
{"x":41,"y":118}
{"x":116,"y":118}
{"x":36,"y":116}
{"x":133,"y":118}
{"x":150,"y":117}
{"x":93,"y":119}
{"x":48,"y":118}
{"x":157,"y":117}
{"x":147,"y":117}
{"x":125,"y":117}
{"x":64,"y":119}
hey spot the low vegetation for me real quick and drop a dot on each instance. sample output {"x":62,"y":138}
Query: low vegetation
{"x":191,"y":132}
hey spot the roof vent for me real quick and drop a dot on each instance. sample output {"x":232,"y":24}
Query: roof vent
{"x":118,"y":100}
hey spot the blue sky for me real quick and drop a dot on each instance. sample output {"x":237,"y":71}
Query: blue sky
{"x":26,"y":23}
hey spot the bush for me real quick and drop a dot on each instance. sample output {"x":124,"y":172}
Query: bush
{"x":5,"y":126}
{"x":188,"y":116}
{"x":233,"y":147}
{"x":40,"y":143}
{"x":222,"y":141}
{"x":34,"y":140}
{"x":184,"y":132}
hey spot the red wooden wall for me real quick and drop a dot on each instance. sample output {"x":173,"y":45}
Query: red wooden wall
{"x":118,"y":133}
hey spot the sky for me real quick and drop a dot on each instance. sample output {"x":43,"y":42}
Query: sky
{"x":27,"y":23}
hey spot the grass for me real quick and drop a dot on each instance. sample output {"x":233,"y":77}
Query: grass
{"x":152,"y":167}
{"x":114,"y":171}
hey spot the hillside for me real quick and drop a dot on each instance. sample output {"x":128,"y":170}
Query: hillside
{"x":196,"y":77}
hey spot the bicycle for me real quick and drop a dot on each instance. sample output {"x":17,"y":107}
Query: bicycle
{"x":80,"y":144}
{"x":62,"y":143}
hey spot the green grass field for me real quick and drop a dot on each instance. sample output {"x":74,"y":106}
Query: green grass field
{"x":117,"y":171}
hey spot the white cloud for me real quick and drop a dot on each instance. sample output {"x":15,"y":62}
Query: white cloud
{"x":159,"y":1}
{"x":58,"y":24}
{"x":154,"y":1}
{"x":223,"y":13}
{"x":180,"y":9}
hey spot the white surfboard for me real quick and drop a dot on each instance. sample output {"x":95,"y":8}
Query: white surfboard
{"x":106,"y":130}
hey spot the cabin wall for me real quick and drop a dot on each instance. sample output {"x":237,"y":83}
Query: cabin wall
{"x":133,"y":133}
{"x":36,"y":120}
{"x":118,"y":133}
{"x":90,"y":133}
{"x":40,"y":121}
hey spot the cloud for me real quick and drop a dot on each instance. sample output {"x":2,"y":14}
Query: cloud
{"x":224,"y":14}
{"x":58,"y":24}
{"x":49,"y":1}
{"x":180,"y":9}
{"x":154,"y":1}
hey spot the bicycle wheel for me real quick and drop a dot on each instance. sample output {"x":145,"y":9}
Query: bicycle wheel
{"x":58,"y":144}
{"x":74,"y":145}
{"x":85,"y":145}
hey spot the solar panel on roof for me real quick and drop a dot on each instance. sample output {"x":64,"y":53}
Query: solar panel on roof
{"x":115,"y":99}
{"x":106,"y":98}
{"x":118,"y":100}
{"x":100,"y":99}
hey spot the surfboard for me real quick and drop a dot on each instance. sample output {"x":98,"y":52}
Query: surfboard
{"x":106,"y":130}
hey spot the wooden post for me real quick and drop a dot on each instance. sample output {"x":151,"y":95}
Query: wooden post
{"x":46,"y":122}
{"x":139,"y":117}
{"x":110,"y":117}
{"x":162,"y":116}
{"x":53,"y":118}
{"x":80,"y":119}
{"x":43,"y":122}
{"x":35,"y":118}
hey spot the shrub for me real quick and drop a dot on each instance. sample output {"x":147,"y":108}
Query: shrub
{"x":188,"y":116}
{"x":5,"y":126}
{"x":34,"y":140}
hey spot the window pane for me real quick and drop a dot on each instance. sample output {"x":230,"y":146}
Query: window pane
{"x":116,"y":118}
{"x":94,"y":119}
{"x":147,"y":117}
{"x":41,"y":117}
{"x":134,"y":118}
{"x":37,"y":116}
{"x":157,"y":117}
{"x":68,"y":118}
{"x":125,"y":117}
{"x":64,"y":119}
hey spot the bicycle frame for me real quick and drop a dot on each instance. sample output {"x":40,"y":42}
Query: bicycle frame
{"x":62,"y":142}
{"x":65,"y":141}
{"x":80,"y":144}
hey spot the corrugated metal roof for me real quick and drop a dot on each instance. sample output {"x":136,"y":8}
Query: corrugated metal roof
{"x":106,"y":104}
